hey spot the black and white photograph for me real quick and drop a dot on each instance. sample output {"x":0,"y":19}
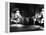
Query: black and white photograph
{"x":26,"y":17}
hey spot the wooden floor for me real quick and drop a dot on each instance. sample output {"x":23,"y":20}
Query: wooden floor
{"x":26,"y":28}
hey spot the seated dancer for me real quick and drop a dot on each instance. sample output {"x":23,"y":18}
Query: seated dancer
{"x":17,"y":16}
